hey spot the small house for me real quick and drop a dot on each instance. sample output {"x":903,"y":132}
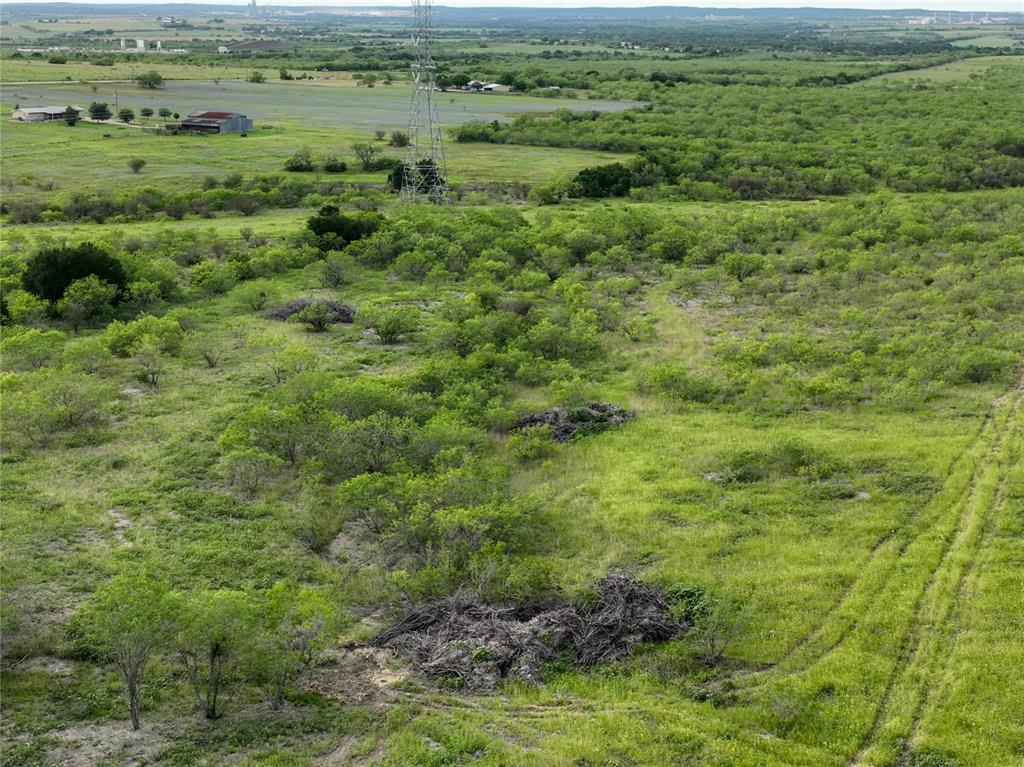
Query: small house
{"x":496,"y":88}
{"x":216,"y":122}
{"x":42,"y":114}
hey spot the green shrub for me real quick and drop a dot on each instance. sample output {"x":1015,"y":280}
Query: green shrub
{"x":392,"y":323}
{"x":300,"y":162}
{"x":677,"y":382}
{"x":743,"y":265}
{"x":983,"y":365}
{"x":213,"y":277}
{"x":30,"y":348}
{"x":786,"y":459}
{"x":125,"y":338}
{"x":532,"y":444}
{"x":613,"y":180}
{"x":334,"y":230}
{"x":334,"y":165}
{"x":337,"y":269}
{"x":49,"y":272}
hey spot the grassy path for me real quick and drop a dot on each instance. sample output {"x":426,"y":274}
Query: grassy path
{"x":928,"y":640}
{"x":881,"y":648}
{"x":939,"y":690}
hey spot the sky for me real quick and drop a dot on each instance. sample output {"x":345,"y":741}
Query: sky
{"x":978,"y":6}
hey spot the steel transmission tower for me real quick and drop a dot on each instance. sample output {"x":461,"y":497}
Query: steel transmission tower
{"x":425,"y":174}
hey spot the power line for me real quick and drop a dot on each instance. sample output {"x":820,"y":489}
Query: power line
{"x":424,"y":176}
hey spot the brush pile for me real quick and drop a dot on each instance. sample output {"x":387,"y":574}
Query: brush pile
{"x":480,"y":645}
{"x":339,"y":312}
{"x":569,"y":423}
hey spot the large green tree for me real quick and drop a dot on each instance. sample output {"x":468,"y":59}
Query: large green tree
{"x":99,"y":110}
{"x":49,"y":272}
{"x":151,"y":79}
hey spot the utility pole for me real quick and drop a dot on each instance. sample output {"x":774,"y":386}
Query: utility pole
{"x":424,"y":176}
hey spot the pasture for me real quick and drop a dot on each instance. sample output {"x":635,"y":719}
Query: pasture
{"x":954,"y":72}
{"x":333,"y":104}
{"x":288,"y":117}
{"x":256,"y":418}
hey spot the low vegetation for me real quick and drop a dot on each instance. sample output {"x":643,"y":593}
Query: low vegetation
{"x":690,"y":434}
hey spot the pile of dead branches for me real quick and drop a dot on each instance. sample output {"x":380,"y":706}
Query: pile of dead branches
{"x":479,"y":645}
{"x":339,"y":312}
{"x":569,"y":423}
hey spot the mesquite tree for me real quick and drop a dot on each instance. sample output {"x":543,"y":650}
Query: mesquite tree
{"x":123,"y":622}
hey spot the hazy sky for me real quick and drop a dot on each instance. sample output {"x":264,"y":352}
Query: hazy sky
{"x":979,"y":7}
{"x":1016,"y":6}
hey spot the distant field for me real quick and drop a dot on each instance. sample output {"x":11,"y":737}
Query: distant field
{"x":957,"y":71}
{"x":81,"y":158}
{"x":989,"y":41}
{"x":39,"y":70}
{"x":29,"y":30}
{"x":288,"y":116}
{"x":268,"y":223}
{"x":310,"y":105}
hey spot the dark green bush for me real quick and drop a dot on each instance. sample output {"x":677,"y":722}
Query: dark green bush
{"x":49,"y":272}
{"x":613,"y":180}
{"x":334,"y":230}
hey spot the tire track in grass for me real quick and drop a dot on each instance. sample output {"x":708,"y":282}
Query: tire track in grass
{"x":921,"y":647}
{"x":843,"y":617}
{"x":934,"y":694}
{"x":844,"y":595}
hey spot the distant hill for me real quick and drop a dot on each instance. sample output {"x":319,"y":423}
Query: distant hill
{"x":456,"y":16}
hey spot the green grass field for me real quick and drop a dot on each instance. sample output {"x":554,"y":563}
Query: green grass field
{"x":334,"y":118}
{"x":989,"y":41}
{"x":955,"y":72}
{"x":823,"y":471}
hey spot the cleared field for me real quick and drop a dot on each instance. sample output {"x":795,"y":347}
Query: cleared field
{"x":305,"y":104}
{"x":57,"y":158}
{"x":288,"y":117}
{"x":229,"y":227}
{"x":27,"y":70}
{"x":989,"y":41}
{"x":957,"y":71}
{"x":27,"y":30}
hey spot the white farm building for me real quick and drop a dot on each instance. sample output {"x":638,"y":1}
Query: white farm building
{"x":42,"y":114}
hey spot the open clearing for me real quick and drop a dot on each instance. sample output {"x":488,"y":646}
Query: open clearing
{"x":304,"y":104}
{"x":687,"y":435}
{"x":287,"y":117}
{"x":955,"y":72}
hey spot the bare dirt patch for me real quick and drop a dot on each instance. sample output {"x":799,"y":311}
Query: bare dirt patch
{"x":361,"y":675}
{"x":91,"y":744}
